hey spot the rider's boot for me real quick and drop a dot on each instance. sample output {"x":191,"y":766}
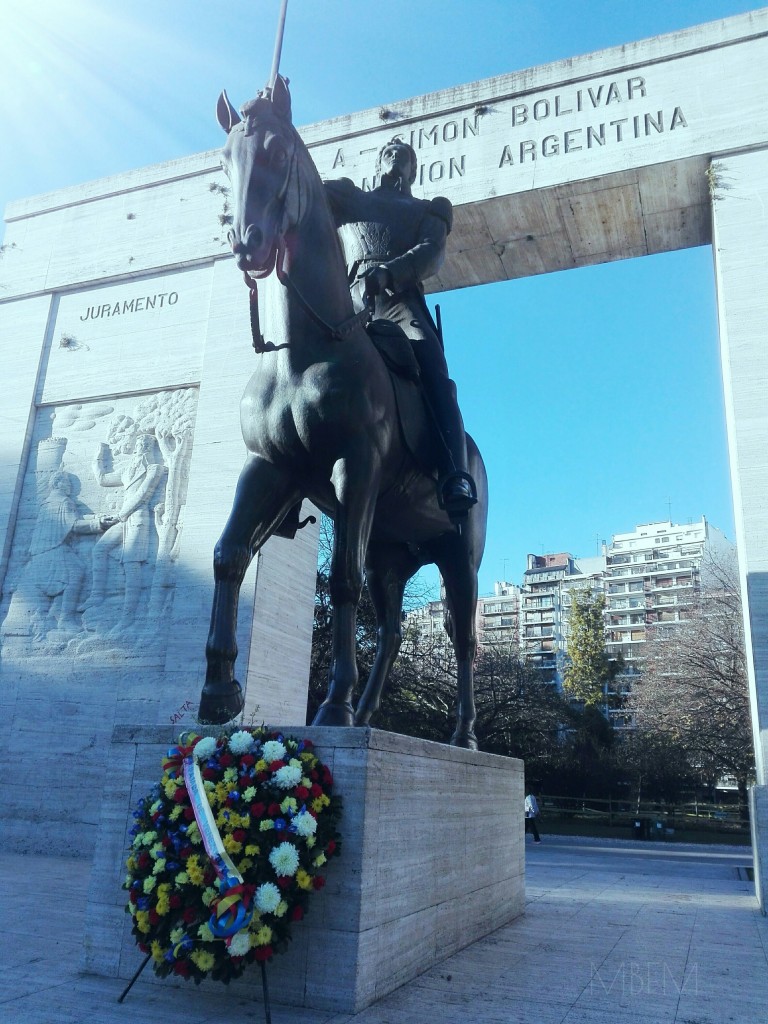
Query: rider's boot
{"x":457,"y":492}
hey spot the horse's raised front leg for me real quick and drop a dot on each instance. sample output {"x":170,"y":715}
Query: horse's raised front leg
{"x":459,"y":574}
{"x":356,"y":490}
{"x":388,"y":567}
{"x":263,"y":496}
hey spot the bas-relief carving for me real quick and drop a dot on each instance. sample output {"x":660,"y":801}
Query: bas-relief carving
{"x":99,"y":525}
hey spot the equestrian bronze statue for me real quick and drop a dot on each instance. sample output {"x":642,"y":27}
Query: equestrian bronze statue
{"x":358,"y":417}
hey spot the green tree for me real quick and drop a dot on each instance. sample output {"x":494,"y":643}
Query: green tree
{"x":589,"y":670}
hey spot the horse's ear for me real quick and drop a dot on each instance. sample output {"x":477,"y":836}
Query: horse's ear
{"x":227,"y":116}
{"x":281,"y":98}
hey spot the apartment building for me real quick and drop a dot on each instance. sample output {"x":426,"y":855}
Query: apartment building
{"x":545,"y":603}
{"x":497,"y":618}
{"x":652,"y":575}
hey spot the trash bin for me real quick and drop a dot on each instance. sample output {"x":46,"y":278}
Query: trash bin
{"x":640,"y":828}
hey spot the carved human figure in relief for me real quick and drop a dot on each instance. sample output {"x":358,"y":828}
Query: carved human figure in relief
{"x":130,"y":538}
{"x":392,"y":242}
{"x":55,"y":569}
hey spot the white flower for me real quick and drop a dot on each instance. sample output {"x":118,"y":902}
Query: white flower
{"x":305,"y":824}
{"x":273,"y":750}
{"x":284,"y":859}
{"x":204,"y":748}
{"x":241,"y":742}
{"x":287,"y":777}
{"x":240,"y":943}
{"x":267,"y":897}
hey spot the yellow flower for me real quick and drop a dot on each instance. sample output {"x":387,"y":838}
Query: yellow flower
{"x":131,"y":863}
{"x":232,"y":846}
{"x":209,"y":895}
{"x":261,"y":765}
{"x":244,"y":865}
{"x":158,"y":953}
{"x":142,"y":920}
{"x":203,"y":959}
{"x":263,"y":935}
{"x":159,"y":867}
{"x":194,"y":870}
{"x":175,"y":813}
{"x":156,"y":850}
{"x":310,"y":841}
{"x":306,"y":783}
{"x":289,"y":804}
{"x":317,"y":804}
{"x":170,"y":788}
{"x":280,"y":909}
{"x":303,"y":879}
{"x":251,"y":850}
{"x":193,"y":834}
{"x":319,"y":860}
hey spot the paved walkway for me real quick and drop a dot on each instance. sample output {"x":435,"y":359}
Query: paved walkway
{"x":614,"y":933}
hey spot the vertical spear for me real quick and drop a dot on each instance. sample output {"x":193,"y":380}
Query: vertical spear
{"x":278,"y":45}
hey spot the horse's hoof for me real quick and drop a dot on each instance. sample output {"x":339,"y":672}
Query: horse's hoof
{"x":464,"y":738}
{"x":334,"y":714}
{"x":220,"y":703}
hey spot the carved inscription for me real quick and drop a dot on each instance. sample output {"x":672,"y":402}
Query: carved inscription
{"x":136,"y":305}
{"x":543,"y":127}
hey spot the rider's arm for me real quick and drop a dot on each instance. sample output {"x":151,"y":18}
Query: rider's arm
{"x":426,"y":257}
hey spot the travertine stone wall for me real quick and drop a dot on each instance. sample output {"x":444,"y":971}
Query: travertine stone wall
{"x":119,"y":457}
{"x":432,"y":859}
{"x":740,"y":244}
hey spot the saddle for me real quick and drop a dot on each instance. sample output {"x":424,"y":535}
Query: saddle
{"x":417,"y":425}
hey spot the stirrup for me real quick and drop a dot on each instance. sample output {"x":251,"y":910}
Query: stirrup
{"x":458,"y":505}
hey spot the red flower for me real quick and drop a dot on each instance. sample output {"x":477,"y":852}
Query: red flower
{"x":330,"y":848}
{"x":297,"y":913}
{"x":143,"y":861}
{"x":318,"y":882}
{"x":274,"y":810}
{"x":257,"y":810}
{"x":181,"y":967}
{"x":166,"y":841}
{"x":143,"y":947}
{"x":239,"y":835}
{"x":180,"y":795}
{"x":175,"y":901}
{"x":314,"y":774}
{"x":225,"y":760}
{"x":154,"y":917}
{"x":327,"y":777}
{"x":209,"y":773}
{"x":308,"y":744}
{"x":275,"y":766}
{"x":301,"y":792}
{"x":316,"y":791}
{"x":185,"y":851}
{"x":261,"y":776}
{"x":188,"y":813}
{"x":133,"y":896}
{"x":248,"y":760}
{"x":190,"y":914}
{"x":209,"y":875}
{"x":263,"y":953}
{"x":284,"y":882}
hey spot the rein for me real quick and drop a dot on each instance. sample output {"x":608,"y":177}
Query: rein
{"x":338,"y":333}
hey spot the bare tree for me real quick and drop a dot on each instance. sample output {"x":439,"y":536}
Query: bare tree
{"x":694,"y":685}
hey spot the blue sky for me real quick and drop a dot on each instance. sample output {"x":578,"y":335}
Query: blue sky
{"x":608,"y":411}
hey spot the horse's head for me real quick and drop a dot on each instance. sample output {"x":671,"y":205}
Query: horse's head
{"x":259,"y":160}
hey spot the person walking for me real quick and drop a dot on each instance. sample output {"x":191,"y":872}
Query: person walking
{"x":531,"y":814}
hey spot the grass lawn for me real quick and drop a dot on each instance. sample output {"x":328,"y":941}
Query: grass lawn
{"x":580,"y":827}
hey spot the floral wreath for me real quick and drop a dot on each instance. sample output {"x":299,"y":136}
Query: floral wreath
{"x":226,"y":851}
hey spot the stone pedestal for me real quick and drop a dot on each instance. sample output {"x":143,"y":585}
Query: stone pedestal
{"x":432,"y":860}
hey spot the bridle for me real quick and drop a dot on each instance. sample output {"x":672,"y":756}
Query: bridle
{"x":339,"y":332}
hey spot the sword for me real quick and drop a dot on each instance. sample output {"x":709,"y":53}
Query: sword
{"x":278,"y":46}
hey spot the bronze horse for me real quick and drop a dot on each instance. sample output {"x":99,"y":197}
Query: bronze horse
{"x":320,"y":421}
